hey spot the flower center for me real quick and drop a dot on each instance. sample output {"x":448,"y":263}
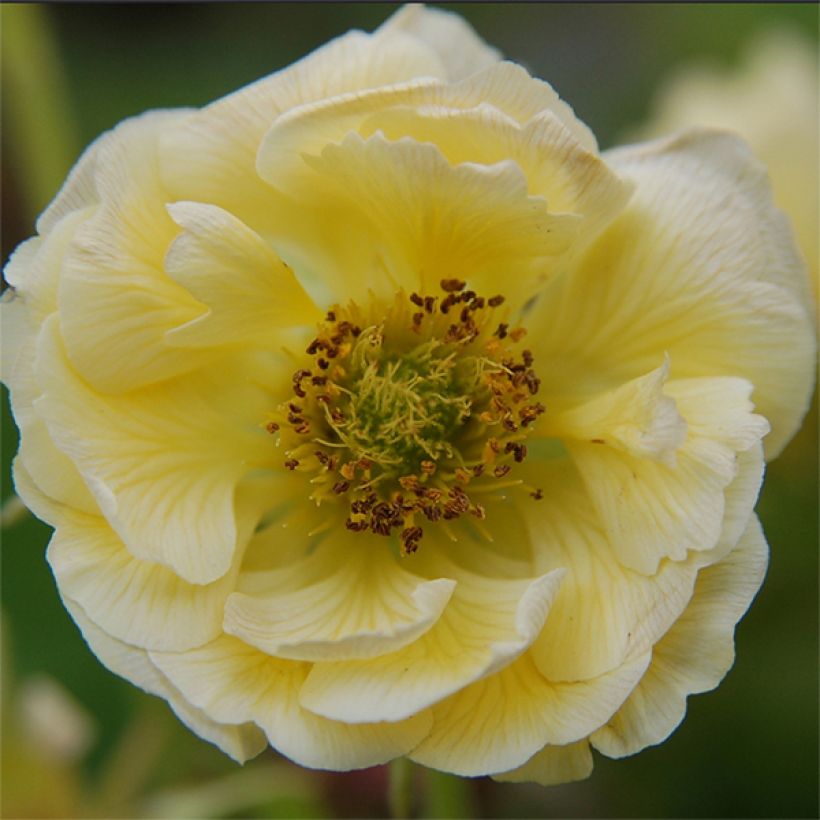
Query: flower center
{"x":406,"y":416}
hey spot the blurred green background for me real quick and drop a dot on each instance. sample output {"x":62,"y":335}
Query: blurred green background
{"x":750,"y":749}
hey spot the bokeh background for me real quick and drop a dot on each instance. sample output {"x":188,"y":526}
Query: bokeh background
{"x":79,"y":742}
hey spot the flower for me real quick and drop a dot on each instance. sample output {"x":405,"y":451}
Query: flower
{"x":771,"y":99}
{"x":378,"y":414}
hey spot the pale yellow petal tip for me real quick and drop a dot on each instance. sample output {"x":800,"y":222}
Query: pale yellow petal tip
{"x":553,"y":765}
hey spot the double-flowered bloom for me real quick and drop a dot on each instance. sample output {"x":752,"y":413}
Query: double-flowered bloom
{"x":378,"y":414}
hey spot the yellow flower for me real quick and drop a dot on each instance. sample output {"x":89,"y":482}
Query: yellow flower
{"x":771,"y":100}
{"x":377,"y":414}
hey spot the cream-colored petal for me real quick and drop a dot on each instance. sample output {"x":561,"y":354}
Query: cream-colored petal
{"x":415,"y":220}
{"x":553,"y":765}
{"x":635,"y":418}
{"x":500,"y":722}
{"x":250,"y":293}
{"x":162,"y":462}
{"x":461,"y":51}
{"x":348,"y":599}
{"x":210,"y":157}
{"x":694,"y":655}
{"x":570,"y":177}
{"x":654,"y":510}
{"x":486,"y":625}
{"x":234,"y":683}
{"x":700,"y":266}
{"x":604,"y":613}
{"x":138,"y":602}
{"x":504,"y":88}
{"x":50,"y":469}
{"x":116,"y":302}
{"x":241,"y":742}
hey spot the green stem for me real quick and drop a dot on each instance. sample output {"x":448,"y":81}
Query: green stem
{"x":400,"y":791}
{"x":447,"y":795}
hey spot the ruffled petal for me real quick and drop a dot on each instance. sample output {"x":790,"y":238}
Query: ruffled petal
{"x":162,"y":463}
{"x":731,"y":303}
{"x":486,"y":625}
{"x":655,"y":510}
{"x":422,"y":220}
{"x":604,"y":614}
{"x":210,"y":156}
{"x":694,"y":655}
{"x":345,"y":600}
{"x":250,"y":293}
{"x":553,"y":765}
{"x":500,"y":722}
{"x":240,"y":742}
{"x":234,"y":683}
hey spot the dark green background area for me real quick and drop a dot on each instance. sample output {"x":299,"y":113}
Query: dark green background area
{"x":750,"y":749}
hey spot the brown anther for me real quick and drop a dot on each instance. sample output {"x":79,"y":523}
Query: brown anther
{"x":292,"y":463}
{"x":478,"y":470}
{"x":303,"y":429}
{"x":323,"y":364}
{"x":465,"y":314}
{"x":428,"y":467}
{"x":332,"y":352}
{"x":409,"y":482}
{"x":323,"y":398}
{"x":538,"y":494}
{"x":293,"y":407}
{"x":432,"y":512}
{"x":410,"y":537}
{"x":336,"y":415}
{"x":356,"y":526}
{"x":495,"y":301}
{"x":532,"y":381}
{"x":520,"y":453}
{"x":528,"y":358}
{"x":463,"y":475}
{"x":452,"y":285}
{"x":271,"y":426}
{"x":417,"y":319}
{"x":319,"y":381}
{"x":364,"y":464}
{"x":348,"y":471}
{"x":355,"y":331}
{"x":511,"y":426}
{"x":416,"y":299}
{"x":493,"y":444}
{"x":313,"y":347}
{"x":429,"y":303}
{"x":478,"y":511}
{"x":331,"y":316}
{"x":518,"y":333}
{"x":434,"y":494}
{"x":478,"y":303}
{"x":501,"y":330}
{"x":597,"y":441}
{"x":501,"y":470}
{"x":341,"y":487}
{"x":323,"y":457}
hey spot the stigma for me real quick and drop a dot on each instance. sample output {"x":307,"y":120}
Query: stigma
{"x":403,"y":416}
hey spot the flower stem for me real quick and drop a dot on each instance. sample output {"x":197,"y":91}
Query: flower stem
{"x":447,"y":795}
{"x":400,"y":790}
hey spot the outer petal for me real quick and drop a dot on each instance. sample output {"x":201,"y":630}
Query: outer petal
{"x":241,"y":742}
{"x":461,"y":51}
{"x":250,"y":293}
{"x":116,"y":302}
{"x":138,"y":602}
{"x":345,"y":600}
{"x":162,"y":463}
{"x":487,"y":624}
{"x":694,"y":655}
{"x":730,"y":302}
{"x":500,"y":722}
{"x":553,"y":765}
{"x":235,"y":683}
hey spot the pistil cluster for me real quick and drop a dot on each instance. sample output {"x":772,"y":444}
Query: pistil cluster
{"x":408,"y":417}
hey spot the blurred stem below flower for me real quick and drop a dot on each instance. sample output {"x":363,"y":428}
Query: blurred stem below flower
{"x":447,"y":795}
{"x":40,"y":134}
{"x":400,"y":788}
